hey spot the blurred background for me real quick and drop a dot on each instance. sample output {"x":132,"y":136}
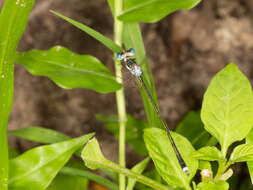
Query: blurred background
{"x":185,"y":50}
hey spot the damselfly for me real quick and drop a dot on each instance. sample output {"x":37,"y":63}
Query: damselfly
{"x":135,"y":69}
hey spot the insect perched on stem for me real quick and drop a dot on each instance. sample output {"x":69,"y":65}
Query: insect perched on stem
{"x":126,"y":58}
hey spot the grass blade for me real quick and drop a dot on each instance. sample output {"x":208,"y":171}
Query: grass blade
{"x":98,"y":36}
{"x":13,"y":19}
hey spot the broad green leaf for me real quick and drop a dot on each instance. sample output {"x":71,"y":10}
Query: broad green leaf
{"x":209,"y":185}
{"x":228,"y":107}
{"x":134,"y":131}
{"x":98,"y":36}
{"x":242,"y":153}
{"x":153,"y":10}
{"x":139,"y":168}
{"x":94,"y":159}
{"x":249,"y":140}
{"x":69,"y":70}
{"x":13,"y":19}
{"x":208,"y":153}
{"x":193,"y":129}
{"x":39,"y":134}
{"x":36,"y":168}
{"x":164,"y":158}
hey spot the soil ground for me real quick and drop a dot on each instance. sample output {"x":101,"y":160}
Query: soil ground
{"x":185,"y":50}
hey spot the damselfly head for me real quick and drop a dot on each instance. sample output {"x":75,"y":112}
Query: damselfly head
{"x":131,"y":51}
{"x":119,"y":56}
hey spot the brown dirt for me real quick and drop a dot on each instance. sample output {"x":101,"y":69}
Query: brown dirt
{"x":190,"y":47}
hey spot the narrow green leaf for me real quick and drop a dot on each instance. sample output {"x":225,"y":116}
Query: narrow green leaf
{"x":249,"y":140}
{"x":193,"y":129}
{"x":36,"y":168}
{"x":133,"y":39}
{"x":134,"y":132}
{"x":13,"y":19}
{"x":94,"y":159}
{"x":228,"y":107}
{"x":139,"y":168}
{"x":69,"y":70}
{"x":209,"y":185}
{"x":166,"y":163}
{"x":153,"y":10}
{"x":98,"y":36}
{"x":208,"y":153}
{"x":39,"y":134}
{"x":242,"y":153}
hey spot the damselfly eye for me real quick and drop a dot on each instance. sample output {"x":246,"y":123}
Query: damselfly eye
{"x":132,"y":51}
{"x":119,"y":56}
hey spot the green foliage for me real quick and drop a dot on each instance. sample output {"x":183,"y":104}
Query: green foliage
{"x":153,"y":10}
{"x":36,"y":168}
{"x":208,"y":153}
{"x":69,"y":70}
{"x":164,"y":158}
{"x":13,"y":19}
{"x":193,"y":129}
{"x":101,"y":38}
{"x":138,"y":168}
{"x":226,"y":113}
{"x":242,"y":153}
{"x":249,"y":139}
{"x":228,"y":107}
{"x":66,"y":182}
{"x":39,"y":134}
{"x":134,"y":131}
{"x":222,"y":185}
{"x":94,"y":159}
{"x":75,"y":172}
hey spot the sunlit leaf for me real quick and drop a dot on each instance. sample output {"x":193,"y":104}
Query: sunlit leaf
{"x":163,"y":155}
{"x":209,"y":185}
{"x":36,"y":168}
{"x":242,"y":153}
{"x":228,"y":107}
{"x":153,"y":10}
{"x":208,"y":153}
{"x":69,"y":70}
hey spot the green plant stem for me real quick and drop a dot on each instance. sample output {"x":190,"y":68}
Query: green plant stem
{"x":141,"y":178}
{"x":120,"y":98}
{"x":223,"y":166}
